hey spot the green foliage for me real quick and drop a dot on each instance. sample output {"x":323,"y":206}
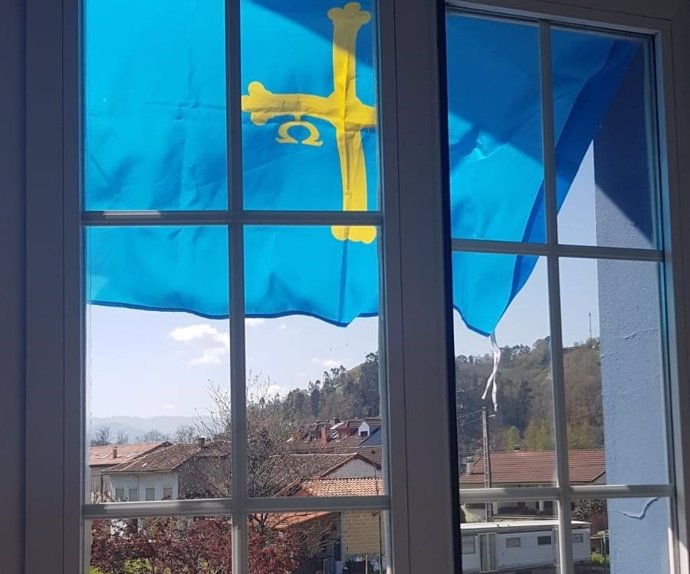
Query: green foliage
{"x":525,"y":415}
{"x":600,"y":559}
{"x":339,"y":393}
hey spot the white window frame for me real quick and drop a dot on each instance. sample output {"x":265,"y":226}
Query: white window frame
{"x":45,"y":398}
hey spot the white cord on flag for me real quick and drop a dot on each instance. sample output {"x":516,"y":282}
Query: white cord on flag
{"x":492,"y":381}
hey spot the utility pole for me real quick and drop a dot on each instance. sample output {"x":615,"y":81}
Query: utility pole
{"x":489,"y":509}
{"x":590,"y":327}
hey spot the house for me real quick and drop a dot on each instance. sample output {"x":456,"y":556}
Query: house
{"x":196,"y":470}
{"x":359,"y":427}
{"x":104,"y":458}
{"x":358,"y":536}
{"x":521,"y":468}
{"x":295,"y":469}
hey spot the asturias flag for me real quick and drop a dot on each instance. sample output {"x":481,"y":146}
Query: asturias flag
{"x":155,"y":139}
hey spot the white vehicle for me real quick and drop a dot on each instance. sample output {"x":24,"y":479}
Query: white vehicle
{"x":506,"y":546}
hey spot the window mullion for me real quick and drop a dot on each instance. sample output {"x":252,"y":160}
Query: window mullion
{"x":565,"y":550}
{"x":238,"y":393}
{"x":424,"y":494}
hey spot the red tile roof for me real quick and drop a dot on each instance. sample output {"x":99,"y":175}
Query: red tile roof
{"x":104,"y":455}
{"x":366,"y":486}
{"x":171,"y":457}
{"x":536,"y":467}
{"x":344,"y":444}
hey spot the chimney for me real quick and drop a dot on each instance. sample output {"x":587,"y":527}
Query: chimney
{"x":201,"y":442}
{"x":324,"y":435}
{"x":114,"y":452}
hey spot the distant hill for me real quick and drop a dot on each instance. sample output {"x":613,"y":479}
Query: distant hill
{"x":138,"y":426}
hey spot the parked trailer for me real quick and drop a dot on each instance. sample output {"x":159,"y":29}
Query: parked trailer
{"x":518,"y":544}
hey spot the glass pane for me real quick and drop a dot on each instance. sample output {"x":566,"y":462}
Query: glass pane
{"x":616,"y":529}
{"x":607,"y":158}
{"x":494,"y":124}
{"x":314,"y":417}
{"x":184,"y":545}
{"x":615,"y":392}
{"x":154,"y":105}
{"x":155,"y":380}
{"x":311,"y":271}
{"x":309,"y":138}
{"x":518,"y":424}
{"x":323,"y":542}
{"x":515,"y":544}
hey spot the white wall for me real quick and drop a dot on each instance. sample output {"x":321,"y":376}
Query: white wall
{"x":632,"y":370}
{"x":159,"y":481}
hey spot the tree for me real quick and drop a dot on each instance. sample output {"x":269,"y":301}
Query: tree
{"x":189,"y":546}
{"x":185,"y":434}
{"x":122,"y":438}
{"x":154,"y":435}
{"x":103,"y":437}
{"x":314,"y":398}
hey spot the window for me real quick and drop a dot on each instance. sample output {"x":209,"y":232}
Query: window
{"x":578,"y":538}
{"x":468,"y":545}
{"x":282,"y":311}
{"x":133,"y":494}
{"x":167,"y":493}
{"x":119,"y":494}
{"x":559,"y":296}
{"x":543,"y":540}
{"x":414,"y":277}
{"x":513,"y":542}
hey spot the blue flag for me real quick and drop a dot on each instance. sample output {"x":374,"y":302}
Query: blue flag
{"x":495,"y":143}
{"x":155,"y":139}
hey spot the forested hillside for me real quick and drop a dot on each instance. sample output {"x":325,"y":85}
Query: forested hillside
{"x":524,"y":418}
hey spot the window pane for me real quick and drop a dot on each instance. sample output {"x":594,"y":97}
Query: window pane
{"x":520,"y":431}
{"x":314,"y":417}
{"x":514,"y":544}
{"x":311,"y":271}
{"x":612,"y":200}
{"x":615,"y":392}
{"x":182,"y":545}
{"x":617,"y":527}
{"x":301,"y":542}
{"x":309,"y":139}
{"x":155,"y":379}
{"x":154,"y":105}
{"x":494,"y":124}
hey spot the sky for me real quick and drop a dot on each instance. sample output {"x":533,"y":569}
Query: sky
{"x":145,"y":364}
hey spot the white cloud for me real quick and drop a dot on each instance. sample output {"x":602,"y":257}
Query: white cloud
{"x":254,"y":322}
{"x":202,"y":331}
{"x":210,"y":356}
{"x":273,"y":390}
{"x":169,"y":406}
{"x":282,"y":326}
{"x":213,"y":343}
{"x":327,"y":363}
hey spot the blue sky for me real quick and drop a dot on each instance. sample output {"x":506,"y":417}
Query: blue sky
{"x":143,"y":363}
